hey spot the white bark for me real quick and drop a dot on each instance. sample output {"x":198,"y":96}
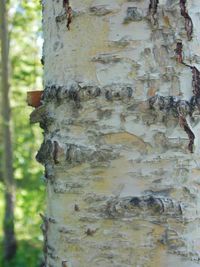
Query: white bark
{"x":122,"y":186}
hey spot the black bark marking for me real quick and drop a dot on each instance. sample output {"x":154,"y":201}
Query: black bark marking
{"x":76,"y":207}
{"x":179,"y":109}
{"x":55,"y":152}
{"x":170,"y":104}
{"x":153,"y":6}
{"x":135,"y":201}
{"x":133,"y":14}
{"x":196,"y":81}
{"x":64,"y":264}
{"x":90,"y":232}
{"x":108,"y":95}
{"x":49,"y":152}
{"x":42,"y":60}
{"x":179,"y":52}
{"x":68,"y":10}
{"x":78,"y":94}
{"x":154,"y":205}
{"x":52,"y":220}
{"x":188,"y":20}
{"x":45,"y":153}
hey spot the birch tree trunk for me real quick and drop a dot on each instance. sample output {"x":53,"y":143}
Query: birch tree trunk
{"x":121,"y":133}
{"x":7,"y":161}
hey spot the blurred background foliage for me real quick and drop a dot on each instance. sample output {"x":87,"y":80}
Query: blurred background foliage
{"x":26,"y":74}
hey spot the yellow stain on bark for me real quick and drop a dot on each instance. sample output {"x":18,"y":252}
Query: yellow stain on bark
{"x":125,"y":138}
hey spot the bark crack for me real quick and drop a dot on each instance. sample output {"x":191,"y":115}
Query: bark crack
{"x":188,"y":20}
{"x":196,"y":92}
{"x":183,"y":123}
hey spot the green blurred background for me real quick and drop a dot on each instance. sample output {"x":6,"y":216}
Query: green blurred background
{"x":26,"y":74}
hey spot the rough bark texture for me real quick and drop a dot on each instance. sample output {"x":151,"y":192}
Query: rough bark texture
{"x":120,"y":119}
{"x":7,"y":163}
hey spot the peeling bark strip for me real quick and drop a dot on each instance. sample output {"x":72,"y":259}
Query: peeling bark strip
{"x":195,"y":80}
{"x":185,"y":126}
{"x":153,"y":6}
{"x":195,"y":71}
{"x":68,"y":9}
{"x":188,"y":20}
{"x":194,"y":101}
{"x":196,"y":91}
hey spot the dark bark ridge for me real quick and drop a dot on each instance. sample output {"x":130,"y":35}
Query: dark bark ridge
{"x":148,"y":204}
{"x":50,"y":151}
{"x":153,"y":6}
{"x":77,"y":93}
{"x":167,"y":105}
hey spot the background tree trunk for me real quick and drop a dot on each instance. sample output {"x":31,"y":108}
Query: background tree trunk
{"x":7,"y":162}
{"x":120,"y":108}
